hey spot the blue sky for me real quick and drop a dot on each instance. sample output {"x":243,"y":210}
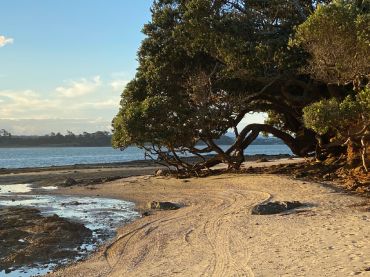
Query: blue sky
{"x":66,"y":60}
{"x":64,"y":64}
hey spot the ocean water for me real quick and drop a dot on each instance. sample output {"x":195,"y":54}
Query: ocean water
{"x":58,"y":156}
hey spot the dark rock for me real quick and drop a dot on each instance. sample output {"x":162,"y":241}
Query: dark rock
{"x":275,"y":207}
{"x":301,"y":175}
{"x":163,"y":205}
{"x":147,"y":213}
{"x":72,"y":203}
{"x":293,"y":204}
{"x":69,"y":182}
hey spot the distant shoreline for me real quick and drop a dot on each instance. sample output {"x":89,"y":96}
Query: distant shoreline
{"x":54,"y":146}
{"x":98,"y":139}
{"x":100,"y":146}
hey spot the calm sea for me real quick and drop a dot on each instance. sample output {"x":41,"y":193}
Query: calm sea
{"x":57,"y":156}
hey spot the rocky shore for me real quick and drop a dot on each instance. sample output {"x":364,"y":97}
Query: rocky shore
{"x":27,"y":238}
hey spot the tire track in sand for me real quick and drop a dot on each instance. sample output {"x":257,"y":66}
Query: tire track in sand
{"x":201,"y":239}
{"x":223,"y":235}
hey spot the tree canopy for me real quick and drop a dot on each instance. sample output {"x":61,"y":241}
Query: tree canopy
{"x":337,"y":36}
{"x":205,"y":64}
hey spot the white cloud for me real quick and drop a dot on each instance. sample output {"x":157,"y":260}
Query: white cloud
{"x":4,"y":41}
{"x":109,"y":103}
{"x":79,"y":88}
{"x":46,"y":126}
{"x":119,"y":80}
{"x":82,"y":102}
{"x":18,"y":103}
{"x":118,"y":85}
{"x":29,"y":104}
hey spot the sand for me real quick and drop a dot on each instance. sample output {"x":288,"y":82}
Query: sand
{"x":214,"y":233}
{"x":51,"y":176}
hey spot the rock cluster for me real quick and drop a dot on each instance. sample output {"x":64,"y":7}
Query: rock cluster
{"x":155,"y":205}
{"x":69,"y":182}
{"x":27,"y":237}
{"x":275,"y":207}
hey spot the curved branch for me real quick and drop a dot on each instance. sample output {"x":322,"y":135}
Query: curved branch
{"x":294,"y":144}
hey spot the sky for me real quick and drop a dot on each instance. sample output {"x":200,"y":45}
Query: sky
{"x":64,"y":64}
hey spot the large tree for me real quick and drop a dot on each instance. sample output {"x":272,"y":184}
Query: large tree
{"x":205,"y":65}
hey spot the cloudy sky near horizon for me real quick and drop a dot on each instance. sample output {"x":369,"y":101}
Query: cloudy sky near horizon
{"x":64,"y":64}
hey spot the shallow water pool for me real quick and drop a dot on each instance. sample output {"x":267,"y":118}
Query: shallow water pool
{"x":101,"y":215}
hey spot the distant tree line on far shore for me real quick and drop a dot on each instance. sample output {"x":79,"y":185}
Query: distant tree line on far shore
{"x":96,"y":139}
{"x":100,"y":138}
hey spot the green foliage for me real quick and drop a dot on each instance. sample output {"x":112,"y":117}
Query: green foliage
{"x":337,"y":36}
{"x":322,"y":116}
{"x":277,"y":120}
{"x":250,"y":37}
{"x":205,"y":64}
{"x":344,"y":118}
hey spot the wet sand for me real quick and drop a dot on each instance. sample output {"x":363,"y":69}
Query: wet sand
{"x":84,"y":174}
{"x":215,"y":234}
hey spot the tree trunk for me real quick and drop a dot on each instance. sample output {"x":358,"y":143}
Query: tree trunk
{"x":300,"y":146}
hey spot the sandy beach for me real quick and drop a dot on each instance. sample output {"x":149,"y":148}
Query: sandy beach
{"x":215,"y":234}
